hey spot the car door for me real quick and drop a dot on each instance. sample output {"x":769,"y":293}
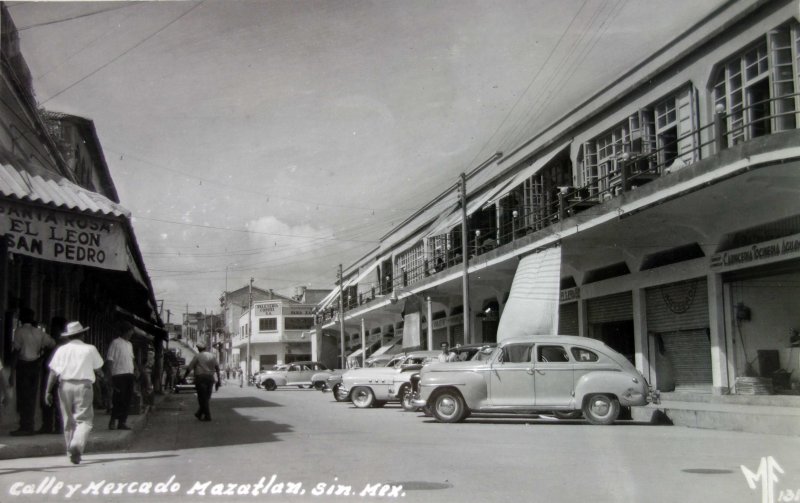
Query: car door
{"x":554,"y":376}
{"x":293,"y":374}
{"x":511,"y":377}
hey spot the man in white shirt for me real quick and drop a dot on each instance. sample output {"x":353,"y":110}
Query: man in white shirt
{"x":120,"y":365}
{"x":29,"y":344}
{"x":73,"y":367}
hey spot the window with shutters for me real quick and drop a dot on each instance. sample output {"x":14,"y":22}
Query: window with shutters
{"x":757,"y":87}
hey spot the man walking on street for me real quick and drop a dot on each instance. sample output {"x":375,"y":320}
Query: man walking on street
{"x":120,"y":366}
{"x":73,"y":367}
{"x":205,"y":366}
{"x":29,"y":344}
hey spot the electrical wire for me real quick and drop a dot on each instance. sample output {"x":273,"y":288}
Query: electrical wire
{"x":127,"y":51}
{"x":79,"y":16}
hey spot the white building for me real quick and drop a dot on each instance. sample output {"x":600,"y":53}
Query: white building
{"x":283,"y":333}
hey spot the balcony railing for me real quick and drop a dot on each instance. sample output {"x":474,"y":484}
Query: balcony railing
{"x":634,"y":170}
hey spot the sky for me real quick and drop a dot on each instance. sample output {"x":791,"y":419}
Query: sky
{"x":277,"y":139}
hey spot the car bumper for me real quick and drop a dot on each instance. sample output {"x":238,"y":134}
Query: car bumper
{"x":418,"y":402}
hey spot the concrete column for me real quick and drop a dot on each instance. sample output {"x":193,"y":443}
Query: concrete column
{"x":640,"y":337}
{"x":720,"y":377}
{"x":583,"y":318}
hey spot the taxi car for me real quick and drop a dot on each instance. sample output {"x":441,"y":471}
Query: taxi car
{"x":292,"y":374}
{"x":532,"y":375}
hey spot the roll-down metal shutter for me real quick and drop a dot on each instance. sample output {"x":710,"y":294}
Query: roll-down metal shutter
{"x":617,"y":307}
{"x":568,"y":319}
{"x":678,"y":314}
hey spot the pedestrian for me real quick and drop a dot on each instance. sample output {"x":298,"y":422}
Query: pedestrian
{"x":241,"y":377}
{"x":204,"y":365}
{"x":73,"y":368}
{"x":51,"y":416}
{"x":29,"y":344}
{"x":5,"y":387}
{"x":445,"y":355}
{"x":120,"y":367}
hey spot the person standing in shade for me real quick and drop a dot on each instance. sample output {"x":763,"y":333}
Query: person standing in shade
{"x":73,"y":368}
{"x":204,"y":365}
{"x":120,"y":367}
{"x":51,"y":421}
{"x":29,"y":344}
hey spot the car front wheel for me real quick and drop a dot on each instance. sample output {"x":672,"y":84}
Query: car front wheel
{"x":270,"y":385}
{"x":362,"y":397}
{"x":601,"y":409}
{"x":449,"y":407}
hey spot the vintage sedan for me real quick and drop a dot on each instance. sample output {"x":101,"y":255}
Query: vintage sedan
{"x":464,"y":352}
{"x":293,"y":374}
{"x":374,"y":387}
{"x":533,"y":375}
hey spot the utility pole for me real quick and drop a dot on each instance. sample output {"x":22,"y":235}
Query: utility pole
{"x":249,"y":330}
{"x":465,"y":254}
{"x":363,"y":344}
{"x":341,"y":312}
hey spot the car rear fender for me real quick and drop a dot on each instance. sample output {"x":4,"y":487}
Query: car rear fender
{"x":628,"y":389}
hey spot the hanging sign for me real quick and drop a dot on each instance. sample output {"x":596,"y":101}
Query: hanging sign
{"x":59,"y":236}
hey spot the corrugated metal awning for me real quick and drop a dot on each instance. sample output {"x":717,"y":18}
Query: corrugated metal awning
{"x":59,"y":193}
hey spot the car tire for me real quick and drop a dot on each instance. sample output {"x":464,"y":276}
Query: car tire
{"x":449,"y":407}
{"x":362,"y":397}
{"x":337,"y":395}
{"x":568,"y":414}
{"x":405,"y":398}
{"x":601,"y":409}
{"x":270,"y":385}
{"x":319,"y":385}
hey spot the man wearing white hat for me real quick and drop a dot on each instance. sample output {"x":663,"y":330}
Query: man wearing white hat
{"x":73,"y":366}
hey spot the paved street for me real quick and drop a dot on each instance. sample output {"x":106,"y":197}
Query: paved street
{"x":313,"y":445}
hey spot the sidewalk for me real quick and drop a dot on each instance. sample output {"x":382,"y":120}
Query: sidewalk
{"x":100,"y":440}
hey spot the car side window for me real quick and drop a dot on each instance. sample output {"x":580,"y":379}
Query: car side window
{"x":551,"y":354}
{"x":584,"y":355}
{"x":516,"y":353}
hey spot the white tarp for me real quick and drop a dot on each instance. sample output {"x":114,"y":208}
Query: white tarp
{"x":532,"y":307}
{"x":411,"y":330}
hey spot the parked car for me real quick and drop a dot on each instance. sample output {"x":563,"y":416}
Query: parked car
{"x":375,"y":387}
{"x":293,"y":374}
{"x":335,"y":381}
{"x":533,"y":375}
{"x":329,"y":379}
{"x":256,"y":379}
{"x":182,"y":384}
{"x":465,"y":352}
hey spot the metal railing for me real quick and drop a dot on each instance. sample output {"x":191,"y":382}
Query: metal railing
{"x":633,"y":170}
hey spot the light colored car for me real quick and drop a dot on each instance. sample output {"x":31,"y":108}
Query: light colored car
{"x":331,"y":380}
{"x":374,"y":387}
{"x":335,"y":381}
{"x":293,"y":374}
{"x":532,"y":375}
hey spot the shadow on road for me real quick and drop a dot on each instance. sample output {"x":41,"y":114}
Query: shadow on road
{"x":236,"y":421}
{"x":56,"y":468}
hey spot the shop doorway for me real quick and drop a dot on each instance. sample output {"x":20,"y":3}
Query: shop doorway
{"x":265,"y":362}
{"x":618,"y":335}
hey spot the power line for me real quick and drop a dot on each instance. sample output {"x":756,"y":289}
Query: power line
{"x":79,"y":16}
{"x":101,"y":67}
{"x":246,"y":231}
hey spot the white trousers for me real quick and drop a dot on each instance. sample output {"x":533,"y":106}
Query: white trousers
{"x":76,"y":412}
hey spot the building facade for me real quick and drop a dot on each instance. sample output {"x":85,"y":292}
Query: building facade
{"x":666,"y":205}
{"x":68,"y":250}
{"x":282,"y":333}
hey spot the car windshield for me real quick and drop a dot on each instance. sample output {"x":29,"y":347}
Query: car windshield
{"x":485,"y":354}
